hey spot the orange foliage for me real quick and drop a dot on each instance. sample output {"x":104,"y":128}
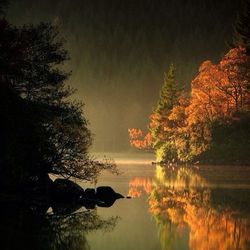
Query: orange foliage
{"x":236,"y":65}
{"x":180,"y":198}
{"x":138,"y":139}
{"x":217,"y":92}
{"x":137,"y":185}
{"x":220,"y":90}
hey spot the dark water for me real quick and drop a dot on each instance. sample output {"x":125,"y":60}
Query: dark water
{"x":172,"y":208}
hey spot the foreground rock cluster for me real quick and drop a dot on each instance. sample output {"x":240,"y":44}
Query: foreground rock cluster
{"x":66,"y":190}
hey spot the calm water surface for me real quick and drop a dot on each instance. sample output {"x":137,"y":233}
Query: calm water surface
{"x":171,"y":208}
{"x":176,"y":207}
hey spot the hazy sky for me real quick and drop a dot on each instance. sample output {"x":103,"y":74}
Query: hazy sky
{"x":120,"y":48}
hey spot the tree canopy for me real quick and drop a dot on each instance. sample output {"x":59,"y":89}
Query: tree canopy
{"x":219,"y":100}
{"x":44,"y":130}
{"x":208,"y":124}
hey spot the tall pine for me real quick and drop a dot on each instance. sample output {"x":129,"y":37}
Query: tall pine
{"x":168,"y":93}
{"x":168,"y":98}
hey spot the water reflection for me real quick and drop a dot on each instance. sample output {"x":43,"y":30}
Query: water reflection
{"x":189,"y":214}
{"x":29,"y":226}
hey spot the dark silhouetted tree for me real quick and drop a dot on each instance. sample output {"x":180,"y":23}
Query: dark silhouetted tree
{"x":31,"y":72}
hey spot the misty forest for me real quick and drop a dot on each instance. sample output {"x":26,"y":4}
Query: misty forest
{"x":124,"y":121}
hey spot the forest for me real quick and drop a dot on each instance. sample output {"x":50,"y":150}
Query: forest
{"x":209,"y":123}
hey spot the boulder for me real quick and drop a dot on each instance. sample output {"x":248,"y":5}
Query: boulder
{"x":107,"y":196}
{"x":105,"y":193}
{"x":67,"y":193}
{"x":89,"y":194}
{"x":64,"y":189}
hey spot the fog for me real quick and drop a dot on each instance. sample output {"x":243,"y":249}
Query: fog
{"x":120,"y":49}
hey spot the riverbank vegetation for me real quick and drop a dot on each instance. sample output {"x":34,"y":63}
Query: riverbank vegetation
{"x":209,"y":123}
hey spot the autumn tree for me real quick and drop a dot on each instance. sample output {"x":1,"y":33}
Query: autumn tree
{"x":185,"y":128}
{"x":139,"y":140}
{"x":180,"y":137}
{"x":220,"y":90}
{"x":218,"y":94}
{"x":236,"y":66}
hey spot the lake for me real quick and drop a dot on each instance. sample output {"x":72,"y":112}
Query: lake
{"x":206,"y":207}
{"x":184,"y":207}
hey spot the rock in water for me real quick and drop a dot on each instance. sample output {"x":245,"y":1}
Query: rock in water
{"x":64,"y":189}
{"x":89,"y":194}
{"x":107,"y":195}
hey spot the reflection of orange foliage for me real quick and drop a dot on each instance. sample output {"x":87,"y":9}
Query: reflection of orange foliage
{"x":190,"y":207}
{"x":210,"y":229}
{"x":179,"y":200}
{"x":138,"y":139}
{"x":137,"y":185}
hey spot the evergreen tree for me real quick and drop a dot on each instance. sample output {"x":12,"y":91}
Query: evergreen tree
{"x":168,"y":98}
{"x":168,"y":93}
{"x":241,"y":36}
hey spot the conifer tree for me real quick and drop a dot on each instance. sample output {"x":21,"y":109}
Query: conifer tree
{"x":168,"y":93}
{"x":168,"y":98}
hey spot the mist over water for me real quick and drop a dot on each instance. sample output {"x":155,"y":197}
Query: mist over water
{"x":120,"y":49}
{"x":127,"y":158}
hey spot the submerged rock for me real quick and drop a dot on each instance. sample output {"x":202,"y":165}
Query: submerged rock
{"x":89,"y":193}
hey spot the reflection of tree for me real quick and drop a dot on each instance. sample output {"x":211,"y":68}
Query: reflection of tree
{"x":137,"y":185}
{"x":184,"y":208}
{"x":24,"y":229}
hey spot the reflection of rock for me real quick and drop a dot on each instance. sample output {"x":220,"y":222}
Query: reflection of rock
{"x":64,"y":208}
